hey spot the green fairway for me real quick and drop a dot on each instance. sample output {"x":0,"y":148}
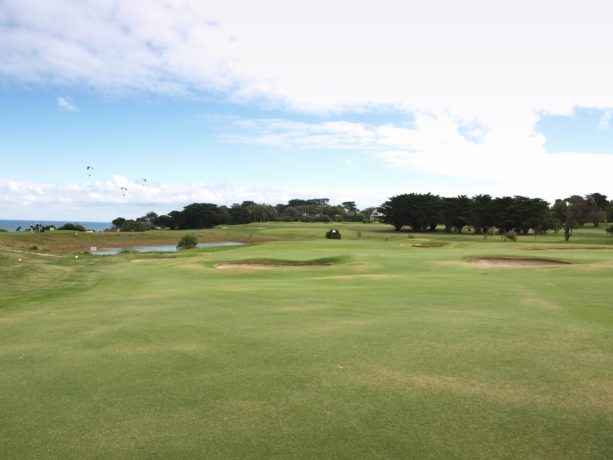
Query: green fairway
{"x":391,"y":345}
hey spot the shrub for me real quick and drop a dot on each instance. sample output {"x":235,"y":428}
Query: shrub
{"x":2,"y":230}
{"x":511,"y":235}
{"x":610,"y":230}
{"x":188,"y":241}
{"x":333,"y":234}
{"x":133,"y":226}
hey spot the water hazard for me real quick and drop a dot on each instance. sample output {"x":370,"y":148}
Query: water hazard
{"x":165,"y":248}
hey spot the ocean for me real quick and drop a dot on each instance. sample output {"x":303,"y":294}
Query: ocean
{"x":12,"y":225}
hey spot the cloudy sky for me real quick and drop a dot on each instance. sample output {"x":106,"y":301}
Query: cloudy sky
{"x":185,"y":101}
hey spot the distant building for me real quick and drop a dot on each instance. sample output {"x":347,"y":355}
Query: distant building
{"x":375,"y":216}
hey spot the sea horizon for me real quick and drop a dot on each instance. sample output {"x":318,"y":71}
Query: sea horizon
{"x":11,"y":225}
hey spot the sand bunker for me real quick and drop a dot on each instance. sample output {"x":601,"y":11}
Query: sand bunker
{"x":429,"y":245}
{"x":244,"y":266}
{"x":261,"y":266}
{"x":515,"y":262}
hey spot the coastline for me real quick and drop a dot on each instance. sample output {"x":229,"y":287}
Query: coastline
{"x":12,"y":225}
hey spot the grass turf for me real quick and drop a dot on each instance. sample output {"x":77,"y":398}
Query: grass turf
{"x":392,"y":351}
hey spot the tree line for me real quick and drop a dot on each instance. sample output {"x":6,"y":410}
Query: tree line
{"x":206,"y":215}
{"x":417,"y":211}
{"x":483,"y":213}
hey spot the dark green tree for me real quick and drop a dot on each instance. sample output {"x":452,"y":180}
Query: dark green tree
{"x":238,"y":214}
{"x":455,"y":213}
{"x":202,"y":215}
{"x":149,"y":220}
{"x":481,"y":215}
{"x":72,"y":227}
{"x":597,"y":206}
{"x":505,"y":219}
{"x":117,"y":223}
{"x":165,"y":221}
{"x":419,"y":211}
{"x":396,"y":211}
{"x":349,"y":206}
{"x":572,"y":211}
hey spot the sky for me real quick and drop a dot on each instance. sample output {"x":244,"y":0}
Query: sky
{"x":183,"y":101}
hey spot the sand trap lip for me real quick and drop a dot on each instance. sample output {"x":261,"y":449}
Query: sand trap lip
{"x":568,"y":248}
{"x":357,"y":277}
{"x":262,"y":266}
{"x":515,"y":262}
{"x":429,"y":245}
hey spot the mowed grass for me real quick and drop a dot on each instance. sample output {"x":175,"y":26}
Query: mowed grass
{"x":397,"y":349}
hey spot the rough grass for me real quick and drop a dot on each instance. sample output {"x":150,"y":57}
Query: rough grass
{"x":390,"y":351}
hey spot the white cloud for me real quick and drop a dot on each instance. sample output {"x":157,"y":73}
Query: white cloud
{"x":166,"y":47}
{"x":605,"y":120}
{"x":333,"y":135}
{"x":476,"y":73}
{"x":472,"y":57}
{"x":510,"y":155}
{"x":105,"y":200}
{"x":65,"y":103}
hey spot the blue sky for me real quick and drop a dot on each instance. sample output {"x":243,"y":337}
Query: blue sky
{"x":226,"y":102}
{"x":170,"y":140}
{"x":585,"y":131}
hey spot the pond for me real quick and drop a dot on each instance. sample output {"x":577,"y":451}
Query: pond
{"x":165,"y":248}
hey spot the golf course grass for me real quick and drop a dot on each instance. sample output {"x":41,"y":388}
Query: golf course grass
{"x":380,"y":345}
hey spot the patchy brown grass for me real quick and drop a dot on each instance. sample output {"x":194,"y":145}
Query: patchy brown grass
{"x":429,"y":245}
{"x":589,"y":393}
{"x":302,"y":308}
{"x":532,"y":300}
{"x":154,"y":348}
{"x":339,"y":327}
{"x":152,"y":259}
{"x":515,"y":262}
{"x":263,"y":266}
{"x":358,"y":277}
{"x":566,"y":248}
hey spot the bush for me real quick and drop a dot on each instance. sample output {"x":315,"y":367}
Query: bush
{"x":333,"y":234}
{"x":610,"y":230}
{"x":2,"y":230}
{"x":133,"y":226}
{"x":511,"y":235}
{"x":72,"y":227}
{"x":188,"y":241}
